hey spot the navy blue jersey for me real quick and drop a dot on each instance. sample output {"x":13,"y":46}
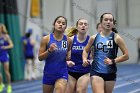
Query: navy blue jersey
{"x":76,"y":56}
{"x":55,"y":64}
{"x":104,"y":47}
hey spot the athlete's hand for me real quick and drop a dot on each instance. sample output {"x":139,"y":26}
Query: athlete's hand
{"x":86,"y":63}
{"x":53,"y":47}
{"x":3,"y":47}
{"x":108,"y":61}
{"x":70,"y":63}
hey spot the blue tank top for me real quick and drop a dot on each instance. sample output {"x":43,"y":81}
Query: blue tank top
{"x":29,"y":48}
{"x":76,"y":56}
{"x":3,"y":42}
{"x":55,"y":63}
{"x":104,"y":47}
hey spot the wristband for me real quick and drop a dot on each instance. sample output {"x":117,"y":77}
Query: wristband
{"x":113,"y":61}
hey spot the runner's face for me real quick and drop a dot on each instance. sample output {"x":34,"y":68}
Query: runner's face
{"x":60,"y":24}
{"x":82,"y":26}
{"x":107,"y":22}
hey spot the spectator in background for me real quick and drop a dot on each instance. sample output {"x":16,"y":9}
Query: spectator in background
{"x":5,"y":44}
{"x":28,"y":45}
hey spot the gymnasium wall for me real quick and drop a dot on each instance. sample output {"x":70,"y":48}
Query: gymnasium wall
{"x":125,"y":11}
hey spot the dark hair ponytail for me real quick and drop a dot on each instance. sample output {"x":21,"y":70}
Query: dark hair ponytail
{"x":27,"y":35}
{"x":114,"y":29}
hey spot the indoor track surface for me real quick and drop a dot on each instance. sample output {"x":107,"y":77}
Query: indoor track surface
{"x":128,"y":81}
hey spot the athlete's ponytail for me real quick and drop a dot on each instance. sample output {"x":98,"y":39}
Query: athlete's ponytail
{"x":71,"y":31}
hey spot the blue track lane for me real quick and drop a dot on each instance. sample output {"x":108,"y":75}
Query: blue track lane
{"x":128,"y":81}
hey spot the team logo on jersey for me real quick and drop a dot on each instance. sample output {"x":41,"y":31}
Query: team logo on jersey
{"x":105,"y":47}
{"x":78,"y":47}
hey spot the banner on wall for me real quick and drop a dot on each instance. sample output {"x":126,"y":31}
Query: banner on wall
{"x":35,"y":8}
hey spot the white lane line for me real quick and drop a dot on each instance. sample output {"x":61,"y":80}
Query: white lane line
{"x":135,"y":91}
{"x":121,"y":77}
{"x":33,"y":88}
{"x":26,"y":84}
{"x":127,"y":83}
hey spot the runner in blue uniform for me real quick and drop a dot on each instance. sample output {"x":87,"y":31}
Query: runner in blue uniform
{"x":5,"y":44}
{"x":106,"y":43}
{"x":29,"y":44}
{"x":78,"y":74}
{"x":55,"y":50}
